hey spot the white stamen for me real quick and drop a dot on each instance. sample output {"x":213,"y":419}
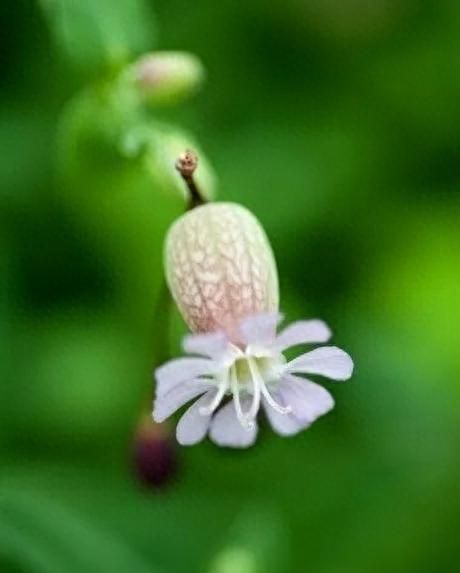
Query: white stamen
{"x":242,"y":418}
{"x":221,"y":389}
{"x":257,"y":382}
{"x":277,"y":407}
{"x":260,"y":387}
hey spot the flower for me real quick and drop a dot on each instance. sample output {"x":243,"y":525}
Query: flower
{"x":222,"y":274}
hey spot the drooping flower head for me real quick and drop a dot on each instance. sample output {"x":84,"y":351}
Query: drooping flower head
{"x":222,"y":274}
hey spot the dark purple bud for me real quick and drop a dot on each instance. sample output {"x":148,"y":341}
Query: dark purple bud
{"x":155,"y":455}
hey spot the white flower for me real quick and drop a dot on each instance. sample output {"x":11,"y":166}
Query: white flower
{"x":222,"y":274}
{"x":253,"y":374}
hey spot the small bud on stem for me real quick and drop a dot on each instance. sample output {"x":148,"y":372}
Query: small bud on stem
{"x":186,"y":164}
{"x":166,"y":78}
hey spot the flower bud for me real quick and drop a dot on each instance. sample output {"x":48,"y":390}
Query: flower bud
{"x":166,"y":77}
{"x":155,"y":460}
{"x":220,"y":268}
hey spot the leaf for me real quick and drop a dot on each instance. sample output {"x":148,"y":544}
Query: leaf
{"x":103,"y":33}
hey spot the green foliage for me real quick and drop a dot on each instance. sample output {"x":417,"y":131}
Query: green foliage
{"x":336,"y":123}
{"x":118,"y":180}
{"x":40,"y":535}
{"x":100,"y":34}
{"x":257,"y":542}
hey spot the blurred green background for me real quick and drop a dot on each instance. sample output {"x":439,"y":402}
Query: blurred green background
{"x":337,"y":122}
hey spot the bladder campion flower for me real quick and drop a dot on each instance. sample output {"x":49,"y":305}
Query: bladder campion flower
{"x":222,"y":274}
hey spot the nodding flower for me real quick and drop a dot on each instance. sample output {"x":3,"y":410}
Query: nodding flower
{"x":222,"y":274}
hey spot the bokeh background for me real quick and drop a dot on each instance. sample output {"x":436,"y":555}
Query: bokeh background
{"x":338,"y":123}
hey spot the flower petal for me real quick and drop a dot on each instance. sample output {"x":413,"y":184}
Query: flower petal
{"x":303,"y":332}
{"x":227,"y":431}
{"x":328,"y":361}
{"x":167,"y":404}
{"x":181,"y":370}
{"x":283,"y":424}
{"x":260,"y":329}
{"x":308,"y":400}
{"x":213,"y":344}
{"x":193,"y":425}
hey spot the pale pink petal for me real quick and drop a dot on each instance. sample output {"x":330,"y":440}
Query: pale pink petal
{"x":303,"y":332}
{"x":213,"y":344}
{"x":283,"y":424}
{"x":308,"y":400}
{"x":328,"y":361}
{"x":180,"y":370}
{"x":260,"y":329}
{"x":168,"y":403}
{"x":227,"y":431}
{"x":193,"y":425}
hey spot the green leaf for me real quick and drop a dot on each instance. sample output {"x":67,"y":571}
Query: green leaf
{"x":103,"y":33}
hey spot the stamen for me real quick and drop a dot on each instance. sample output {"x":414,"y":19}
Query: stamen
{"x":256,"y":384}
{"x":259,"y":386}
{"x":271,"y":402}
{"x":242,"y":418}
{"x":222,"y":388}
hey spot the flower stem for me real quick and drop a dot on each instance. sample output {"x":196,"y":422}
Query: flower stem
{"x":186,"y":165}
